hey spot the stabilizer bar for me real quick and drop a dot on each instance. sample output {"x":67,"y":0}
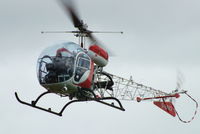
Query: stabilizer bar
{"x":176,"y":95}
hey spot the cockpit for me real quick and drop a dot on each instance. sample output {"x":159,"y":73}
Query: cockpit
{"x":58,"y":63}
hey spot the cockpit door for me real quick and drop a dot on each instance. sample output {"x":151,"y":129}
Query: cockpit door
{"x":82,"y":69}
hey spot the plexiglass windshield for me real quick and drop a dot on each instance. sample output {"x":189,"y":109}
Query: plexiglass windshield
{"x":56,"y":63}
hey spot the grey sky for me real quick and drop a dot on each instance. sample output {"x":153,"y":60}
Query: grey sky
{"x":159,"y":37}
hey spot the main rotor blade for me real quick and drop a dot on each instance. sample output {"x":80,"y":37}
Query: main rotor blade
{"x":78,"y":23}
{"x":69,"y":8}
{"x":120,"y":32}
{"x":86,"y":32}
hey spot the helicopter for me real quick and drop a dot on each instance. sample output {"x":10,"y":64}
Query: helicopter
{"x":71,"y":70}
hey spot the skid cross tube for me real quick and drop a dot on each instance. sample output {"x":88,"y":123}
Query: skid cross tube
{"x":33,"y":103}
{"x":120,"y":107}
{"x":100,"y":100}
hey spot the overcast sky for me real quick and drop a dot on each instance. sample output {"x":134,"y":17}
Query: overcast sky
{"x":160,"y":37}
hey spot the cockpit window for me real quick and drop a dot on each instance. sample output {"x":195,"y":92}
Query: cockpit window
{"x":84,"y":63}
{"x":56,"y":63}
{"x":58,"y":69}
{"x":82,"y":66}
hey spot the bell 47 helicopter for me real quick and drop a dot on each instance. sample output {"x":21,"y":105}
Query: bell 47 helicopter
{"x":71,"y":70}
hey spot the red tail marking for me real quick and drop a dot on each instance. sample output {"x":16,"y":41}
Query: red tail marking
{"x":166,"y":106}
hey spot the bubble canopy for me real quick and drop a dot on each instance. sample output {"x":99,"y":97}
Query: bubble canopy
{"x":56,"y":63}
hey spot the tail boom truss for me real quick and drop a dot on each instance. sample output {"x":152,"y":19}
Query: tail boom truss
{"x":127,"y":89}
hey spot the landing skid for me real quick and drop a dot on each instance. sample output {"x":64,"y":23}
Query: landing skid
{"x":100,"y":100}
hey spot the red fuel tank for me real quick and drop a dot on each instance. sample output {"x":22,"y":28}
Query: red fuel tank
{"x":98,"y":55}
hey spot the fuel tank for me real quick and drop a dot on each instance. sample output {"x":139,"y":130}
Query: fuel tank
{"x":98,"y":55}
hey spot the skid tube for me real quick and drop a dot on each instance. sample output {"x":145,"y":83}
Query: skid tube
{"x":120,"y":107}
{"x":100,"y":100}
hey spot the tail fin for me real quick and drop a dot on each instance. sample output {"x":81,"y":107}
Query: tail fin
{"x":166,"y":106}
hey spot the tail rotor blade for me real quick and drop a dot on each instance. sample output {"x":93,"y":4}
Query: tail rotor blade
{"x":180,"y":80}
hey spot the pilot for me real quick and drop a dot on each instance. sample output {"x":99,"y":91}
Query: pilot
{"x":62,"y":65}
{"x":64,"y":61}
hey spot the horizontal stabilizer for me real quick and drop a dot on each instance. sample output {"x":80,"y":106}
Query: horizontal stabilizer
{"x":166,"y":106}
